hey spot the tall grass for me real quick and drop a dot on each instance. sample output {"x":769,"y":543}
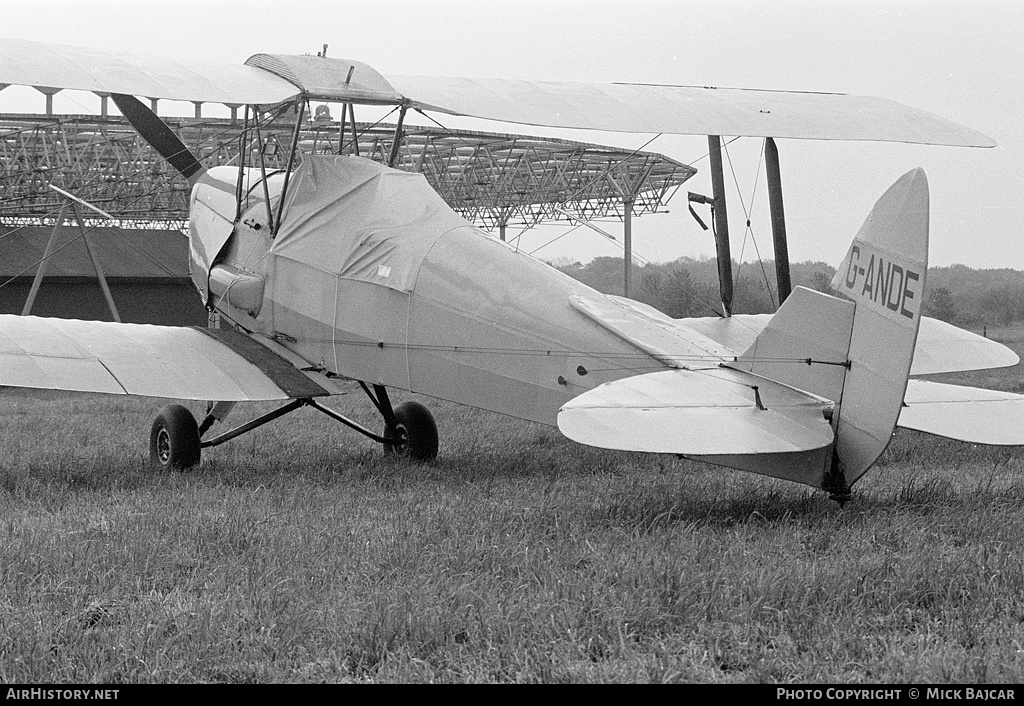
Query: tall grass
{"x":299,"y":553}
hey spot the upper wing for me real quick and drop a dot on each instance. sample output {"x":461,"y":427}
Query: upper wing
{"x":44,"y":65}
{"x":139,"y":359}
{"x":686,"y":110}
{"x":683,"y":110}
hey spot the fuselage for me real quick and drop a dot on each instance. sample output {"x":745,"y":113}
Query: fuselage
{"x":380,"y":281}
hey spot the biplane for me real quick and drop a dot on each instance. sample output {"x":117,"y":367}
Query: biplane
{"x":342,"y":268}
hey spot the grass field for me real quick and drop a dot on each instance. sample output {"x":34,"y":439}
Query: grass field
{"x":299,"y":554}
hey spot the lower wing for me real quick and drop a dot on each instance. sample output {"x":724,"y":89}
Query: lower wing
{"x":140,"y":359}
{"x":968,"y":414}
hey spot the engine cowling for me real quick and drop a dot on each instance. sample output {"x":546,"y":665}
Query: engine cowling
{"x":227,"y":260}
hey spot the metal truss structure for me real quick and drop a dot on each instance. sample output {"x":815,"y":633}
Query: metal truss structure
{"x":492,"y":179}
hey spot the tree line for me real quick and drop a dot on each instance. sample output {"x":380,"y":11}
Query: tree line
{"x":960,"y":295}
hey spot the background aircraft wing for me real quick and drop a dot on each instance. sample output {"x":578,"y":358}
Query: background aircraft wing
{"x":140,"y":359}
{"x":965,"y":413}
{"x":714,"y":411}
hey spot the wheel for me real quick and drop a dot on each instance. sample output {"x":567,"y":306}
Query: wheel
{"x":174,"y":438}
{"x":414,"y":434}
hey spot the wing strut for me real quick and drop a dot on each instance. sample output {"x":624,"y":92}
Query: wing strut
{"x":723,"y":252}
{"x":771,"y":158}
{"x":721,"y":222}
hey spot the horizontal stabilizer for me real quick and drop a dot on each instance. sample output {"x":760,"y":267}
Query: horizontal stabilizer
{"x":944,"y":348}
{"x":969,"y":414}
{"x":941,"y":347}
{"x":706,"y":412}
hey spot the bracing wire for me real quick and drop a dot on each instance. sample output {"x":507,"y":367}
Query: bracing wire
{"x":747,"y":213}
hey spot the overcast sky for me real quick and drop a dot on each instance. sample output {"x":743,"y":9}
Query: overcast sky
{"x":961,"y":60}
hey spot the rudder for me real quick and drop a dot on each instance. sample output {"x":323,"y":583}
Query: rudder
{"x":883,"y":274}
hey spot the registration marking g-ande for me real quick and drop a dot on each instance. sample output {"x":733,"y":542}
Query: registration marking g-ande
{"x":888,"y":284}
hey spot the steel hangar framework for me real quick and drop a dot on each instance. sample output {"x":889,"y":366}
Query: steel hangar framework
{"x":492,"y":179}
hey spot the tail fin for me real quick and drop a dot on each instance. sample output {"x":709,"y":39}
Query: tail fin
{"x":884,"y":275}
{"x":856,"y":351}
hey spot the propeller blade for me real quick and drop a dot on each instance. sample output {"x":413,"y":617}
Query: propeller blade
{"x":156,"y":132}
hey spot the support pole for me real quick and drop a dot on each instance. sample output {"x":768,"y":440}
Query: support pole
{"x":96,"y":265}
{"x":44,"y":263}
{"x":49,"y":92}
{"x":775,"y":203}
{"x":627,"y":247}
{"x":721,"y":223}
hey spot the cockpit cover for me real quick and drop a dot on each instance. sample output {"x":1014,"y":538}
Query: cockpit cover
{"x":357,"y":219}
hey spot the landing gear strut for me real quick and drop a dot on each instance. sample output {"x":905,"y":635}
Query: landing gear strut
{"x":175,"y":440}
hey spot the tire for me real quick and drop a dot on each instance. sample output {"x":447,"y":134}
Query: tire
{"x":174,"y":438}
{"x":414,"y":434}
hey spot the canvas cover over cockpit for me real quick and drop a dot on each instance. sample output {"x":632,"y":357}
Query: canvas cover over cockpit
{"x":355,"y":219}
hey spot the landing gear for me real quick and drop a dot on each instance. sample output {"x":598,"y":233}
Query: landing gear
{"x":413,"y":434}
{"x":174,"y":438}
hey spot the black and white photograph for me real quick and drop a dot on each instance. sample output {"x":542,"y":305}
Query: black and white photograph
{"x":512,"y":342}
